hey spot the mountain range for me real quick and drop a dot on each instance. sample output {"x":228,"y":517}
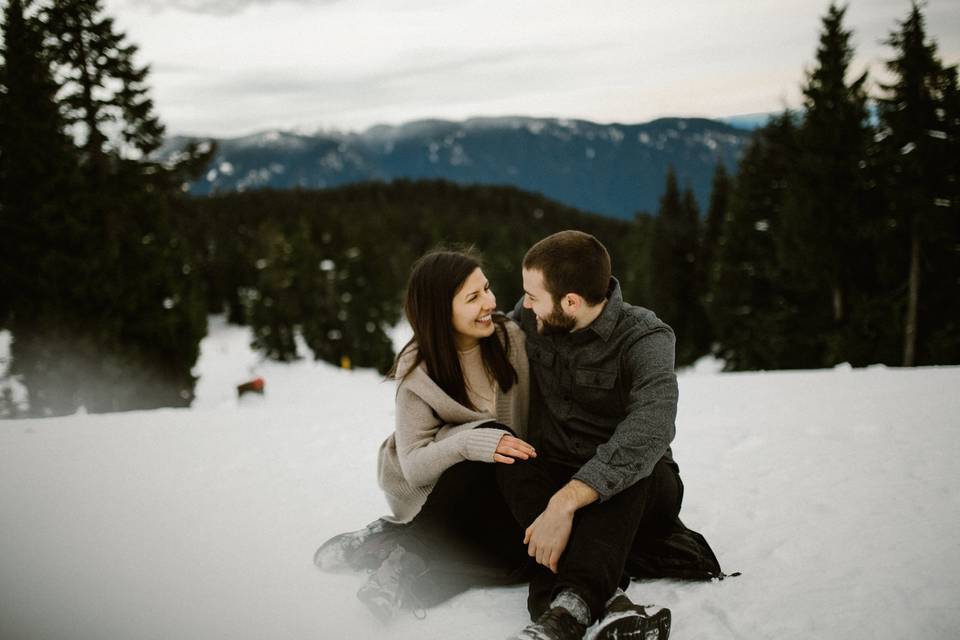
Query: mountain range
{"x":610,"y":169}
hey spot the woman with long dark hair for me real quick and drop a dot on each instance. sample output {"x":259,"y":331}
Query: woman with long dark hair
{"x":461,"y":407}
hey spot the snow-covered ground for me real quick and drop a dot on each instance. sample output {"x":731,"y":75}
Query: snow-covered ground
{"x":834,"y":492}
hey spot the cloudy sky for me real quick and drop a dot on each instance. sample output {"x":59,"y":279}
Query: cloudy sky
{"x":228,"y":67}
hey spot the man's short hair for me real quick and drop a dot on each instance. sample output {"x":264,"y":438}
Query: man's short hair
{"x":571,"y":262}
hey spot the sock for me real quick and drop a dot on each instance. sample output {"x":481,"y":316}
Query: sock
{"x":574,"y":604}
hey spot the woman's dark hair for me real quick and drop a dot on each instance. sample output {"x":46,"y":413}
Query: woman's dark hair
{"x":434,"y":280}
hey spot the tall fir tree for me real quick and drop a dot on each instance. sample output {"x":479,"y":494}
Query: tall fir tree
{"x":43,"y":232}
{"x":673,"y":266}
{"x":919,"y":149}
{"x":635,"y":275}
{"x":105,"y":96}
{"x":758,"y":318}
{"x":118,"y":321}
{"x":711,"y":237}
{"x":822,"y":228}
{"x":664,"y":286}
{"x":36,"y":165}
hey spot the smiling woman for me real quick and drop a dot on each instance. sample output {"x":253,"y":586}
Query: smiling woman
{"x":462,"y":401}
{"x":473,"y":307}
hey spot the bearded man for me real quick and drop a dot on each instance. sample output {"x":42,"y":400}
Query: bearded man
{"x":604,"y":485}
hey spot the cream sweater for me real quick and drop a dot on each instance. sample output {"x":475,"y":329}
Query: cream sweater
{"x":434,"y":432}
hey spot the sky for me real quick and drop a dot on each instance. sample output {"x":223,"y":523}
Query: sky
{"x":230,"y":67}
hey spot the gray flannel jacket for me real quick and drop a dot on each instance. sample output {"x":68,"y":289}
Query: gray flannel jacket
{"x":606,"y":401}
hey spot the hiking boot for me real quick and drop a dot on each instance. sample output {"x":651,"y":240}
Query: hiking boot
{"x":624,"y":620}
{"x":387,"y":591}
{"x":556,"y":624}
{"x":355,"y":550}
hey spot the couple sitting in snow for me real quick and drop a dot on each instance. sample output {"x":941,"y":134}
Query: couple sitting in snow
{"x":563,"y":478}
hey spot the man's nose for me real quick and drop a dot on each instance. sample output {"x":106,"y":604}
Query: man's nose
{"x":526,"y":303}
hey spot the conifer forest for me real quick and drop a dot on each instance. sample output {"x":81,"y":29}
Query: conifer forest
{"x":834,"y":239}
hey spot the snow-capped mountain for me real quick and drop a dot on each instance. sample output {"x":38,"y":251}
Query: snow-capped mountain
{"x":613,"y":169}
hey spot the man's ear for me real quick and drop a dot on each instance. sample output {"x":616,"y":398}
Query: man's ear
{"x":572,"y":302}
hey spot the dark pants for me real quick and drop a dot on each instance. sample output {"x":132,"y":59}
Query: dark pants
{"x":466,"y":536}
{"x":592,"y":565}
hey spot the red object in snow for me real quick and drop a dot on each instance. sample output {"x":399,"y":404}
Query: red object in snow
{"x":254,"y":386}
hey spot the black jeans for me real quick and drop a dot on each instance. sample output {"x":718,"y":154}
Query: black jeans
{"x":466,"y":536}
{"x":603,"y":532}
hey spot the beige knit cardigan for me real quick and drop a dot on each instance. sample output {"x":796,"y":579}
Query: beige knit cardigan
{"x":434,"y":432}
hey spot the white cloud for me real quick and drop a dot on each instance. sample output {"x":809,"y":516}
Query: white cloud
{"x":213,"y":7}
{"x":353,"y":63}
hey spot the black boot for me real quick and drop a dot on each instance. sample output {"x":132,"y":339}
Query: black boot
{"x":365,"y":548}
{"x":557,"y":623}
{"x":625,"y":620}
{"x":387,"y":591}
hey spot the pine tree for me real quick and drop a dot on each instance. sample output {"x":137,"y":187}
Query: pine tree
{"x":42,"y":230}
{"x":673,"y":290}
{"x":666,"y":283}
{"x":116,"y":318}
{"x":823,"y":221}
{"x":635,"y":275}
{"x":104,"y":96}
{"x":757,"y":315}
{"x":710,"y":242}
{"x":36,"y":168}
{"x":920,"y":147}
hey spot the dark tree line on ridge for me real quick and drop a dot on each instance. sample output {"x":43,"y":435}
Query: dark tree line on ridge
{"x":836,"y":240}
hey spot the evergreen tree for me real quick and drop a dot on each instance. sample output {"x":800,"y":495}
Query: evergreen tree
{"x":115,"y":316}
{"x":757,"y":315}
{"x":42,"y":231}
{"x":696,"y":325}
{"x":635,"y":276}
{"x":664,"y":265}
{"x":36,"y":167}
{"x":710,"y":242}
{"x":822,"y":228}
{"x":674,"y":294}
{"x":920,"y":146}
{"x":104,"y":96}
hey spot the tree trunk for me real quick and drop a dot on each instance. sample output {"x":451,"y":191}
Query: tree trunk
{"x":837,"y":303}
{"x":910,"y":323}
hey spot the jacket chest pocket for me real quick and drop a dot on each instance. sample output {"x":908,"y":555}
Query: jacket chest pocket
{"x":596,"y":389}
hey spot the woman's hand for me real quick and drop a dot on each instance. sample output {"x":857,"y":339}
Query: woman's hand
{"x":511,"y":448}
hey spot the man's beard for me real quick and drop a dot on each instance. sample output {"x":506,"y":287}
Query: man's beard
{"x":557,"y":323}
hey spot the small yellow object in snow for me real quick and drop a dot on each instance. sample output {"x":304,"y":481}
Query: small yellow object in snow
{"x":345,"y":362}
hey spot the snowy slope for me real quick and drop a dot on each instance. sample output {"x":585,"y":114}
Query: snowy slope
{"x":833,"y":491}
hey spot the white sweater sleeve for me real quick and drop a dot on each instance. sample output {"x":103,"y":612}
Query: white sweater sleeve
{"x":426,"y":447}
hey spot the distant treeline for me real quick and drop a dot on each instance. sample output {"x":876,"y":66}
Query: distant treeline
{"x":837,"y":240}
{"x":332,"y":265}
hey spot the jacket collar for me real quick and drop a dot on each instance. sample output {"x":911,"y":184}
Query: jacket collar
{"x":606,"y":322}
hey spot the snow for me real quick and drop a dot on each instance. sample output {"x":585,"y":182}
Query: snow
{"x":832,"y":491}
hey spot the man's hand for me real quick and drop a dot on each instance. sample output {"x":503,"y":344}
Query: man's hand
{"x":547,"y":537}
{"x":510,"y":448}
